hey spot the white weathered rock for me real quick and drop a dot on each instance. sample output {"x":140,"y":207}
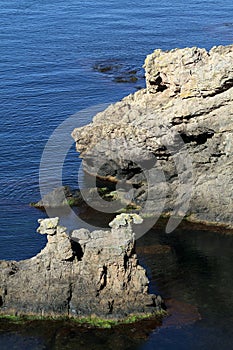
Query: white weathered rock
{"x":190,"y":72}
{"x":48,"y":226}
{"x":125,"y":220}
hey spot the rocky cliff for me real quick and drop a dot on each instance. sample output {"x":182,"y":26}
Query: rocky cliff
{"x":171,"y":142}
{"x":79,"y":274}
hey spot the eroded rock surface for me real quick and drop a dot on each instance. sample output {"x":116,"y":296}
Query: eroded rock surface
{"x":80,"y":274}
{"x":177,"y":133}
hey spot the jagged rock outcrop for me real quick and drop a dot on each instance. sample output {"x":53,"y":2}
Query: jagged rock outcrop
{"x":173,"y":138}
{"x":63,"y":197}
{"x":59,"y":197}
{"x":80,"y":274}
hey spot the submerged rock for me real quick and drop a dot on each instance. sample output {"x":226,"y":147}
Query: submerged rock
{"x":172,"y":142}
{"x":79,"y":274}
{"x":119,"y":72}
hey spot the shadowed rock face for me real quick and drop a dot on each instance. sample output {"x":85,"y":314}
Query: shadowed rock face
{"x":181,"y":125}
{"x":80,"y":274}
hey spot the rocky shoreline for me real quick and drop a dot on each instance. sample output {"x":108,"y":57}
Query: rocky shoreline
{"x":171,"y":142}
{"x":79,"y":274}
{"x":166,"y":150}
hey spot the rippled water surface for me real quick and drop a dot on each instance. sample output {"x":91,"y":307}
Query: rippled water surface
{"x":48,"y":51}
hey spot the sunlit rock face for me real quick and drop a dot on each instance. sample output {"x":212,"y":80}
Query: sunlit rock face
{"x":172,"y":142}
{"x":79,"y":274}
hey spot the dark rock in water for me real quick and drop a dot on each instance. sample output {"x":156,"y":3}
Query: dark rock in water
{"x":107,"y":66}
{"x":57,"y":198}
{"x":80,"y":274}
{"x":64,"y":197}
{"x":119,"y":72}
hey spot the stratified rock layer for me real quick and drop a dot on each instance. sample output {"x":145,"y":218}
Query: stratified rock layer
{"x":79,"y":275}
{"x":174,"y":137}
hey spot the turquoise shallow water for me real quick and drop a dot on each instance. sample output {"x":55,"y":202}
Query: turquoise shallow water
{"x":48,"y":50}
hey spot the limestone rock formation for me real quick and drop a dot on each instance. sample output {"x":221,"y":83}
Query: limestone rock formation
{"x":80,"y":274}
{"x":172,"y":142}
{"x":190,"y":72}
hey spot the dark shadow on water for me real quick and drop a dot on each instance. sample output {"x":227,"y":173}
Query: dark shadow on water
{"x":191,"y":268}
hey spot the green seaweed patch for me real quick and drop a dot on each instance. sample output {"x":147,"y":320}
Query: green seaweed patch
{"x":103,"y":190}
{"x":130,"y":208}
{"x":25,"y":318}
{"x":74,"y":202}
{"x":11,"y":318}
{"x":89,"y":321}
{"x":99,"y":322}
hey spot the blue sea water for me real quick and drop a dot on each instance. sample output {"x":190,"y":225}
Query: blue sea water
{"x":47,"y":53}
{"x":48,"y":49}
